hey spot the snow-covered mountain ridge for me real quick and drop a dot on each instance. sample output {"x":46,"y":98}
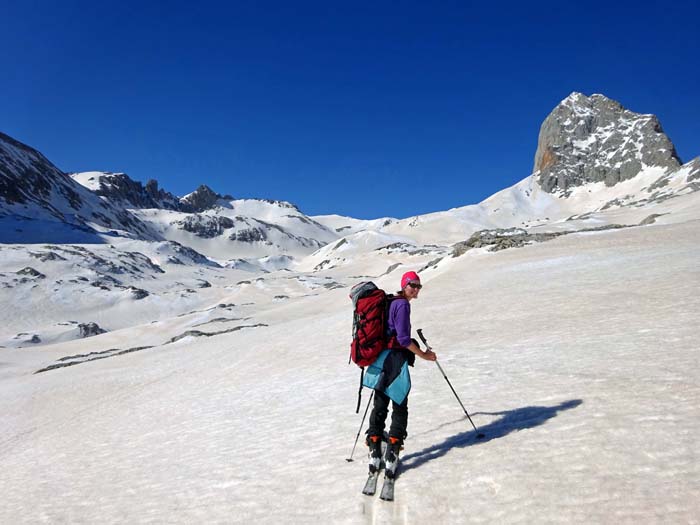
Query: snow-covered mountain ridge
{"x":216,"y":225}
{"x":185,"y":245}
{"x":593,"y":156}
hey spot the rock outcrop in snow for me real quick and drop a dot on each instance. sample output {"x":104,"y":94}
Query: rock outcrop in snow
{"x":595,"y":139}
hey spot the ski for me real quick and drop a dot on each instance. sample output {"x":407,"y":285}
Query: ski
{"x":387,"y":493}
{"x":371,"y":484}
{"x":376,"y":465}
{"x":391,"y":467}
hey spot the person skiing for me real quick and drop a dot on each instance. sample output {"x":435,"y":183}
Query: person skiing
{"x":394,"y":380}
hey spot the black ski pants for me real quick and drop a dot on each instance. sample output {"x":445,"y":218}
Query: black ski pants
{"x":399,"y":417}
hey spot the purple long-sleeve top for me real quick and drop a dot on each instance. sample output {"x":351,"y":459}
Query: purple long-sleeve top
{"x":400,"y":321}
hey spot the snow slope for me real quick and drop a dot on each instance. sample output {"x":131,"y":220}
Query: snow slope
{"x":576,"y":357}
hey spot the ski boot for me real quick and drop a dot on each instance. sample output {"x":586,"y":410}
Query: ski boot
{"x":376,"y":460}
{"x":391,"y":459}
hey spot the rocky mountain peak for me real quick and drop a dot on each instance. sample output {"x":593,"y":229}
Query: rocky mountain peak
{"x":201,"y":199}
{"x":595,"y":139}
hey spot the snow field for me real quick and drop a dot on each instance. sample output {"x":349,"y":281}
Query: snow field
{"x":577,"y":358}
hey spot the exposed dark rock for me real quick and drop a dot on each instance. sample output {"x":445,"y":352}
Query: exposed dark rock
{"x":90,"y":329}
{"x":400,"y":246}
{"x":202,"y":199}
{"x":92,"y":356}
{"x":105,"y":282}
{"x":249,"y":235}
{"x":694,"y":169}
{"x":138,"y":293}
{"x":206,"y":226}
{"x":46,"y":256}
{"x":304,"y":241}
{"x":221,"y":320}
{"x":189,"y":253}
{"x":660,"y":183}
{"x":322,"y":265}
{"x":339,"y":244}
{"x":651,"y":219}
{"x":281,"y":204}
{"x":31,"y":272}
{"x":391,"y":269}
{"x":119,"y":187}
{"x":499,"y":240}
{"x":197,"y":333}
{"x":302,"y":219}
{"x":431,"y":264}
{"x":502,"y":239}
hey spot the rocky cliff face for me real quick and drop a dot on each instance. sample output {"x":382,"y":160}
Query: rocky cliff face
{"x":595,"y":139}
{"x":33,"y":189}
{"x":120,"y":188}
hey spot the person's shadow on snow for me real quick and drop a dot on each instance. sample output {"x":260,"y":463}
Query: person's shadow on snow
{"x":512,"y":421}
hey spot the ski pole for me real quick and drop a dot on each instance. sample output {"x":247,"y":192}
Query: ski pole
{"x":479,"y":435}
{"x":360,"y":430}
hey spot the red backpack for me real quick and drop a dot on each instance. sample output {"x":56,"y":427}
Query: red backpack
{"x":369,"y":325}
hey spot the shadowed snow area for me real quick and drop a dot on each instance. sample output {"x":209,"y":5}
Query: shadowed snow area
{"x":577,"y":357}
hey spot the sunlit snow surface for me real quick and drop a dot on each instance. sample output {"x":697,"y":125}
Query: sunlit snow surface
{"x":234,"y":403}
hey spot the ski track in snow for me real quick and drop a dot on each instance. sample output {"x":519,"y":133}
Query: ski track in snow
{"x":577,"y":358}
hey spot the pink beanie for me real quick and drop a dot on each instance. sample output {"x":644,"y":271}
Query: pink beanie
{"x":409,"y":277}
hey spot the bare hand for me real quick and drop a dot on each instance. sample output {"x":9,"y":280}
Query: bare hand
{"x":429,"y":355}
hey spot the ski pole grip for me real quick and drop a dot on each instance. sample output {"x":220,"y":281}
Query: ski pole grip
{"x":422,"y":337}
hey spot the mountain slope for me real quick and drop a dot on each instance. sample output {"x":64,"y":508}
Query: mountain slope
{"x":38,"y":202}
{"x":215,"y":225}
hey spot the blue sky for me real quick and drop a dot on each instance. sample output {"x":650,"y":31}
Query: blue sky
{"x":361,"y":109}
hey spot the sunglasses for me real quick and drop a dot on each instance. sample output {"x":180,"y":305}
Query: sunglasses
{"x":415,"y":285}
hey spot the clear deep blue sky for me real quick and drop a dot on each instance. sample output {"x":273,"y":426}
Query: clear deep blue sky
{"x":362,"y":109}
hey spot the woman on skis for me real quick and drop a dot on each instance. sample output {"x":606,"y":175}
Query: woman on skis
{"x":395,"y":382}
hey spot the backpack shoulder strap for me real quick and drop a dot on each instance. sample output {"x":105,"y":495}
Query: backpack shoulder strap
{"x":359,"y":392}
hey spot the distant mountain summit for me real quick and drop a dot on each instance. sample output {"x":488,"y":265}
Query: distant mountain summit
{"x":201,"y":199}
{"x":595,"y":139}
